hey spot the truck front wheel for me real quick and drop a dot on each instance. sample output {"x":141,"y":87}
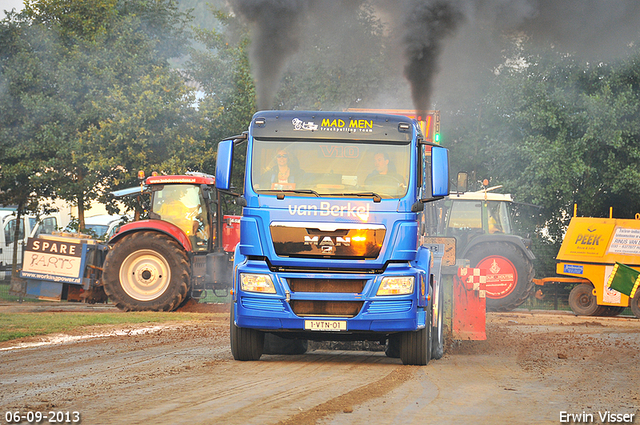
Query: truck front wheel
{"x":246,"y":343}
{"x":416,"y":346}
{"x":146,"y":271}
{"x":437,"y":329}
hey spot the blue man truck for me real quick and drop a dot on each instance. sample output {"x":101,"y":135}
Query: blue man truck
{"x":329,"y":234}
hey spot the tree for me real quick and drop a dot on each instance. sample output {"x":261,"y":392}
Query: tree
{"x":557,"y":131}
{"x":123,"y":104}
{"x":29,"y":136}
{"x":222,"y":71}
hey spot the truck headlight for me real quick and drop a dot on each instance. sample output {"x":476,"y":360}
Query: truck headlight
{"x":257,"y":283}
{"x":399,"y":285}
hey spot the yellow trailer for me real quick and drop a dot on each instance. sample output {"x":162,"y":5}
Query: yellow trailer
{"x":589,"y":251}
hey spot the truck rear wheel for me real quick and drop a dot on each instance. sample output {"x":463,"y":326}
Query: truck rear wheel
{"x":583,"y":302}
{"x":146,"y":271}
{"x":415,"y":346}
{"x":246,"y":343}
{"x":634,"y":304}
{"x":509,"y":274}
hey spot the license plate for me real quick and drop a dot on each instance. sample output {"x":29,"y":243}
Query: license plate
{"x":325,"y":325}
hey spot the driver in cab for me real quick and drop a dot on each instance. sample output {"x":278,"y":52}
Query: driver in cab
{"x":181,"y":207}
{"x":383,"y":171}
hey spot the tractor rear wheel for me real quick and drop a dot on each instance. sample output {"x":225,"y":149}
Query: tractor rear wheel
{"x":146,"y":271}
{"x":583,"y":302}
{"x":634,"y":304}
{"x":509,"y":274}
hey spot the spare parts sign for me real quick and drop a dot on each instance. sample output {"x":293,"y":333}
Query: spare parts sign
{"x":52,"y":260}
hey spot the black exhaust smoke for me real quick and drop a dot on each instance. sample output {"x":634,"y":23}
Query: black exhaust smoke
{"x":593,"y":28}
{"x":276,"y":36}
{"x":427,"y":24}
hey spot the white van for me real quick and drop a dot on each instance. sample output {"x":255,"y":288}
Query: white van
{"x":29,"y":225}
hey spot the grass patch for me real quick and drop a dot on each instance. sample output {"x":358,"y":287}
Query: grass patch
{"x":19,"y":325}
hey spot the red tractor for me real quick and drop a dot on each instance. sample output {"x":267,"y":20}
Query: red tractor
{"x":182,"y":250}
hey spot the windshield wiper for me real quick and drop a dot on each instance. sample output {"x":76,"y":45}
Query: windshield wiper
{"x":376,"y":197}
{"x":281,"y":192}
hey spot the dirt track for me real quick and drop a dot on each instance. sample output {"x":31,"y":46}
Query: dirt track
{"x":532,"y":367}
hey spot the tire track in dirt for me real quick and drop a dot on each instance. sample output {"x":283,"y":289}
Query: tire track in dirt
{"x":345,"y":402}
{"x":265,"y":392}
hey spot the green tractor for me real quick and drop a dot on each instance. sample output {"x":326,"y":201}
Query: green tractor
{"x":482,"y":224}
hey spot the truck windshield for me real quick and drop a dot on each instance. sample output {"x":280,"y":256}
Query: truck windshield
{"x":332,"y":168}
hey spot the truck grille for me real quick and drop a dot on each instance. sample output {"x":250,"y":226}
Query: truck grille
{"x":349,"y":286}
{"x":326,"y":308}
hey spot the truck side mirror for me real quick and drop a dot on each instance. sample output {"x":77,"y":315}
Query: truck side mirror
{"x":223,"y":164}
{"x":439,"y":171}
{"x":463,"y":182}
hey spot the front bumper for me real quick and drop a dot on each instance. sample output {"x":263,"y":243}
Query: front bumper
{"x":375,"y":314}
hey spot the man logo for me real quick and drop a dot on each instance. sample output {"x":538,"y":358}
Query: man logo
{"x":327,"y":241}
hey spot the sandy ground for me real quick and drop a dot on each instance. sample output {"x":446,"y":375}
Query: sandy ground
{"x":534,"y":368}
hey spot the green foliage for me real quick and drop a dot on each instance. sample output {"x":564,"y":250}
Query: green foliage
{"x":94,"y":96}
{"x":223,"y":73}
{"x":556,"y":132}
{"x":75,"y":18}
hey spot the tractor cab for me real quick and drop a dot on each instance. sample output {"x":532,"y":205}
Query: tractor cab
{"x":185,"y":201}
{"x":468,"y":215}
{"x":186,"y":206}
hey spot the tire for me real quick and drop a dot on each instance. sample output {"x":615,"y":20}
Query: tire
{"x":274,"y":344}
{"x":583,"y":302}
{"x":147,"y":271}
{"x":246,"y":344}
{"x":437,"y":331}
{"x":415,"y":346}
{"x":634,"y":304}
{"x":392,"y":350}
{"x":511,"y":260}
{"x":612,"y":310}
